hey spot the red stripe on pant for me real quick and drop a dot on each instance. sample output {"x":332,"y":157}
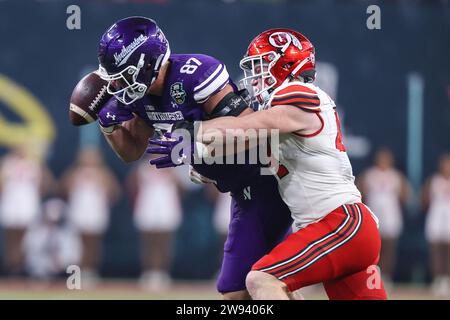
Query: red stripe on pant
{"x":309,"y":246}
{"x":322,"y":252}
{"x":319,"y":248}
{"x":355,"y":250}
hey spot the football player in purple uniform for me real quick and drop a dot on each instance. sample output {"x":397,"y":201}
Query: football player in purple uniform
{"x":152,"y":86}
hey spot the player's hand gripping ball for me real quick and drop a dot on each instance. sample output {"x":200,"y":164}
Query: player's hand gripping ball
{"x":112,"y":114}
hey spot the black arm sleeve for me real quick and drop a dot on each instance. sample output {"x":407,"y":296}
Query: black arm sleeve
{"x":233,"y":104}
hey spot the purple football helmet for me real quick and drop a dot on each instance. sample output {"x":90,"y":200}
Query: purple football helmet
{"x":131,"y":53}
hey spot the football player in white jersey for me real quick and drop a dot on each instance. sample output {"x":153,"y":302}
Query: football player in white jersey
{"x":337,"y":242}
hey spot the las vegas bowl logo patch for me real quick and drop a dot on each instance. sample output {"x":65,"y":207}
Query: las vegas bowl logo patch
{"x":177,"y":92}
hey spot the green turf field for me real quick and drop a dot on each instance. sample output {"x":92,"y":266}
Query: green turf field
{"x":123,"y":290}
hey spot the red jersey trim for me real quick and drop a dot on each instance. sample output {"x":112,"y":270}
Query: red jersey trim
{"x":295,"y":88}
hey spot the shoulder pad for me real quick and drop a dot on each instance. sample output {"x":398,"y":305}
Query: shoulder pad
{"x":298,"y":95}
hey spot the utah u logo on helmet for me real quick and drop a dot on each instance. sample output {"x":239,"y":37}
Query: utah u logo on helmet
{"x":275,"y":57}
{"x":283,"y":40}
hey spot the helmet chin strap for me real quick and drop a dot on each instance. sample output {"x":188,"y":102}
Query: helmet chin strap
{"x":292,"y":74}
{"x":265,"y":96}
{"x":162,"y":59}
{"x":139,"y":66}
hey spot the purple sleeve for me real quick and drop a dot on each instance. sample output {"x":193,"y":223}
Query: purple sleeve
{"x":212,"y":77}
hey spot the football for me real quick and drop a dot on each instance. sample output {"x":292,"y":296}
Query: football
{"x":88,"y":97}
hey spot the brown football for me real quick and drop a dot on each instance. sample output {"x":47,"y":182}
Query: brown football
{"x":88,"y":97}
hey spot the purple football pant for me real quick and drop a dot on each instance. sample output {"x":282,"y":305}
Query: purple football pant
{"x":259,"y":221}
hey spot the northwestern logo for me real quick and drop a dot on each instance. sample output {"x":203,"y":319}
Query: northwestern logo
{"x":165,"y":116}
{"x":247,"y":193}
{"x":127,"y":51}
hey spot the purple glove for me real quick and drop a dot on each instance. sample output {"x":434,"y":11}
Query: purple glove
{"x":112,"y":114}
{"x":174,"y":154}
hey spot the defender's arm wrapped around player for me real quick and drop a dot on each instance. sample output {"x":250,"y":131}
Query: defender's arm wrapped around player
{"x":231,"y":105}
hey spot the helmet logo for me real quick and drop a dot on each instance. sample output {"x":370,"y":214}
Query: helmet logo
{"x":126,"y":52}
{"x":283,"y":40}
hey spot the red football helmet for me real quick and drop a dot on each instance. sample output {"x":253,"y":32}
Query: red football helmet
{"x":275,"y":57}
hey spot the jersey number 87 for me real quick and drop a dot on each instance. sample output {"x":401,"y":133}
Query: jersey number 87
{"x":190,"y":68}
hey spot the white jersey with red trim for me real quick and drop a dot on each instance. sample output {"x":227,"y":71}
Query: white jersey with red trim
{"x":315,"y":175}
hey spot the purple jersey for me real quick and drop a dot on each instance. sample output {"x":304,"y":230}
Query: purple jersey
{"x":191,"y":79}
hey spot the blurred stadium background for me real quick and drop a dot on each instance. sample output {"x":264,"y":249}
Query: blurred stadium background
{"x":392,"y":87}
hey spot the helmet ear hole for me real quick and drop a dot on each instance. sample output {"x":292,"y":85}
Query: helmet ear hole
{"x":308,"y":75}
{"x":288,"y":65}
